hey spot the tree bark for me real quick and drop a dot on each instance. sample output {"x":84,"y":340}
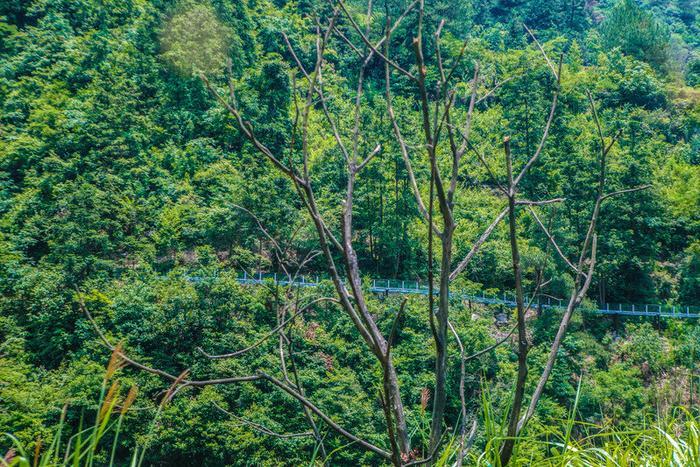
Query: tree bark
{"x":440,"y":395}
{"x":508,"y":445}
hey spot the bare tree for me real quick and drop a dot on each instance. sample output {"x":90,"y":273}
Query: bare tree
{"x":584,"y":269}
{"x":440,"y":134}
{"x":437,"y":125}
{"x":438,"y":129}
{"x":352,"y":297}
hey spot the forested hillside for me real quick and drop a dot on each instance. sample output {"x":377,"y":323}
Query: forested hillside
{"x":153,"y":151}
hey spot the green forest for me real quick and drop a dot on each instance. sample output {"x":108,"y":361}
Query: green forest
{"x":349,"y":232}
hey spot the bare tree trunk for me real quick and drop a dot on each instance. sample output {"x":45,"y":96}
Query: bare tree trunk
{"x":440,"y":396}
{"x":507,"y":449}
{"x":394,"y":397}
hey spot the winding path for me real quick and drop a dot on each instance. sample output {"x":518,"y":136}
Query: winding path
{"x":393,"y":286}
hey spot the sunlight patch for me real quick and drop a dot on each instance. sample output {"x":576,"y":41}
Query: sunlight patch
{"x":195,"y":40}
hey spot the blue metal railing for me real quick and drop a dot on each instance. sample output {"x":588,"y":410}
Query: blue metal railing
{"x":386,"y":286}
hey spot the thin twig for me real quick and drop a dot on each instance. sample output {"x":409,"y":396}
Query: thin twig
{"x":269,"y":334}
{"x":370,"y":45}
{"x":551,"y":240}
{"x":262,"y":428}
{"x":484,"y":236}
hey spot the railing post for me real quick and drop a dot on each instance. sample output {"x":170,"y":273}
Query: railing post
{"x":245,"y":276}
{"x":275,"y":278}
{"x":403,"y":285}
{"x":633,"y":308}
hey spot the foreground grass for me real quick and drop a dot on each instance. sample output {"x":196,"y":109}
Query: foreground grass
{"x":672,"y":442}
{"x":97,"y":437}
{"x":676,"y":443}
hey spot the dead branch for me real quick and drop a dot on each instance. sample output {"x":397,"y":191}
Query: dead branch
{"x":271,"y":333}
{"x":261,"y":428}
{"x":582,"y":280}
{"x":361,"y":442}
{"x":551,"y":239}
{"x":475,"y":247}
{"x":370,"y":45}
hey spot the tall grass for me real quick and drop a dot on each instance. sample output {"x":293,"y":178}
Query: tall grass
{"x":89,"y":445}
{"x":673,"y":442}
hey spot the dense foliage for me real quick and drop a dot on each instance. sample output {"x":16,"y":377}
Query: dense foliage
{"x":125,"y":185}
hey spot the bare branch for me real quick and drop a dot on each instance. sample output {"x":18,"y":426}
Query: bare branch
{"x":445,"y":116}
{"x":552,"y":241}
{"x":295,"y":57}
{"x":309,"y":256}
{"x":297,"y":383}
{"x":493,"y":90}
{"x":523,"y":346}
{"x":247,"y":130}
{"x":321,"y":42}
{"x":370,"y":45}
{"x":278,"y":250}
{"x":395,"y":326}
{"x":462,"y":399}
{"x":591,"y":268}
{"x":180,"y":383}
{"x":621,"y":192}
{"x":381,"y":41}
{"x":349,"y":42}
{"x":402,"y":143}
{"x":482,"y":159}
{"x":271,"y":333}
{"x":330,"y":120}
{"x":323,"y":99}
{"x":365,"y":444}
{"x":457,"y":155}
{"x":545,"y":134}
{"x":578,"y":291}
{"x":614,"y":140}
{"x":492,"y":346}
{"x":526,"y":202}
{"x":544,"y":54}
{"x":458,"y":60}
{"x":484,"y":236}
{"x":262,"y":428}
{"x":110,"y":346}
{"x":367,"y":159}
{"x":594,"y":112}
{"x":431,"y":142}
